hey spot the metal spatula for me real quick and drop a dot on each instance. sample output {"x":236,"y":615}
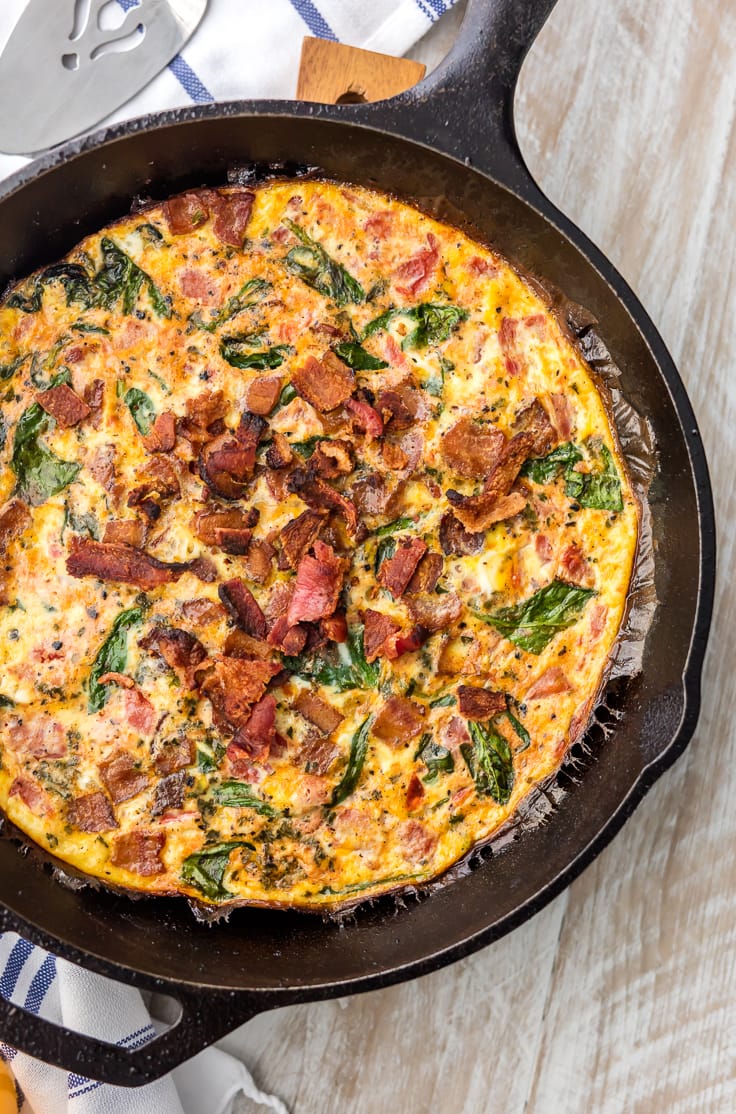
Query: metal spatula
{"x":70,"y":63}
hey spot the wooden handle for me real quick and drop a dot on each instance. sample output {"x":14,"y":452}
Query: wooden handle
{"x":332,"y":73}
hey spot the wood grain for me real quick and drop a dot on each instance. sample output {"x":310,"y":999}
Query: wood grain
{"x":333,"y":73}
{"x":620,"y":995}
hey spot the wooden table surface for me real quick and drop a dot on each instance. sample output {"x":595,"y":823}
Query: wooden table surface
{"x":621,"y":994}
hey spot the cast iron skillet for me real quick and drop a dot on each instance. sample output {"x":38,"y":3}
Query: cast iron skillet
{"x":453,"y":135}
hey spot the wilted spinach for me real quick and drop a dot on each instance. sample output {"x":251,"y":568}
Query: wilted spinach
{"x":112,"y":656}
{"x":238,"y":794}
{"x":433,"y":323}
{"x":490,"y":762}
{"x":355,"y":356}
{"x":241,"y":351}
{"x":317,"y":269}
{"x":435,"y":757}
{"x":356,"y":760}
{"x":120,"y":279}
{"x":205,"y":869}
{"x":342,"y":674}
{"x":40,"y":472}
{"x":141,"y":408}
{"x":596,"y":490}
{"x":534,"y":622}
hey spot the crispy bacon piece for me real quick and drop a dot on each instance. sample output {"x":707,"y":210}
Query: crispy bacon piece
{"x":92,"y":812}
{"x":331,"y":459}
{"x":15,"y":518}
{"x":139,"y":711}
{"x":472,"y":449}
{"x":320,"y":496}
{"x":243,"y":606}
{"x":159,"y":479}
{"x":203,"y":412}
{"x":230,"y":528}
{"x":258,"y":561}
{"x":398,"y":721}
{"x":325,"y":383}
{"x":102,"y":466}
{"x":575,"y":567}
{"x":414,"y":792}
{"x":417,"y":841}
{"x":94,"y":396}
{"x":398,"y":406}
{"x":162,"y":436}
{"x":170,"y":755}
{"x":426,"y":574}
{"x":479,"y":704}
{"x":238,"y":644}
{"x":202,"y":611}
{"x":365,"y":417}
{"x":371,"y":494}
{"x":287,"y":638}
{"x":334,"y":627}
{"x":31,"y":794}
{"x":226,"y":464}
{"x":169,"y":793}
{"x":64,"y":405}
{"x":233,"y":686}
{"x":280,"y":454}
{"x":436,"y":612}
{"x":139,"y":852}
{"x":478,"y":512}
{"x":256,"y":735}
{"x":181,"y":651}
{"x":414,"y":275}
{"x":552,"y":682}
{"x":317,"y":753}
{"x":121,"y":777}
{"x":125,"y":531}
{"x":186,"y":212}
{"x":324,"y":717}
{"x":408,"y":643}
{"x":319,"y":581}
{"x":379,"y":635}
{"x":396,"y":572}
{"x":533,"y":419}
{"x":122,"y":563}
{"x":263,"y":394}
{"x":232,"y":213}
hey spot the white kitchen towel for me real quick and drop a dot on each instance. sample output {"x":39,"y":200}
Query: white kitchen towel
{"x":242,"y":48}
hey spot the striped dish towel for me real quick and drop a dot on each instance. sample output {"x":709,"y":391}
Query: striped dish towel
{"x":242,"y":49}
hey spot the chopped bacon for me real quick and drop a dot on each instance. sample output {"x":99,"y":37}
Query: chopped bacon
{"x":256,"y":735}
{"x":575,"y":567}
{"x":455,"y":734}
{"x":334,"y":627}
{"x":169,"y":793}
{"x":324,"y":383}
{"x":320,"y":496}
{"x":331,"y":459}
{"x":238,"y":644}
{"x":15,"y":518}
{"x":398,"y":406}
{"x":158,"y":478}
{"x":31,"y":794}
{"x":319,"y":581}
{"x":226,"y":527}
{"x":436,"y":612}
{"x":534,"y":419}
{"x":202,"y":611}
{"x":455,"y":539}
{"x":396,"y":572}
{"x":280,"y":453}
{"x":113,"y":678}
{"x":485,"y":512}
{"x":290,"y":639}
{"x":479,"y":704}
{"x":186,"y":212}
{"x":94,"y":396}
{"x":414,"y":792}
{"x":598,"y":617}
{"x":472,"y":449}
{"x":122,"y":563}
{"x":170,"y":755}
{"x":365,"y":417}
{"x":125,"y":531}
{"x":426,"y":574}
{"x":203,"y":569}
{"x":232,"y":213}
{"x":481,"y":266}
{"x":73,"y":355}
{"x":243,"y":606}
{"x":139,"y":852}
{"x":371,"y":494}
{"x":507,"y":341}
{"x":162,"y":436}
{"x":205,"y":409}
{"x":414,"y":275}
{"x":417,"y":841}
{"x":408,"y":643}
{"x":227,"y":462}
{"x":317,"y":753}
{"x":197,"y":285}
{"x":299,"y":535}
{"x":562,"y":415}
{"x":550,"y":683}
{"x":121,"y":777}
{"x":398,"y":721}
{"x":478,"y":512}
{"x":92,"y":812}
{"x":64,"y":404}
{"x":263,"y":394}
{"x":324,"y":717}
{"x":139,"y":711}
{"x":102,"y":466}
{"x":544,"y":548}
{"x":258,"y":561}
{"x":181,"y":651}
{"x":379,"y":635}
{"x":379,"y":224}
{"x":233,"y":686}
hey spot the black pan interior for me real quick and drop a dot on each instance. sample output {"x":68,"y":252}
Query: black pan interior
{"x":297,"y":955}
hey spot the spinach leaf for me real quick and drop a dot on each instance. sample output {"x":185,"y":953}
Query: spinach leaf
{"x":435,"y":757}
{"x":81,"y":523}
{"x":355,"y":356}
{"x":6,"y":702}
{"x":248,"y":295}
{"x":288,"y":394}
{"x":533,"y":623}
{"x":435,"y":385}
{"x":3,"y":432}
{"x":354,"y":768}
{"x":596,"y":490}
{"x":306,"y":448}
{"x":77,"y":282}
{"x":357,"y":887}
{"x":28,"y":303}
{"x":433,"y":323}
{"x":149,"y":232}
{"x":87,"y":327}
{"x":353,"y":673}
{"x":317,"y":269}
{"x":141,"y":408}
{"x":239,"y":351}
{"x":446,"y":701}
{"x":121,"y":278}
{"x":40,"y":472}
{"x":543,"y":469}
{"x":393,"y":527}
{"x":209,"y":755}
{"x":238,"y":794}
{"x":112,"y":656}
{"x":205,"y":869}
{"x":7,"y":371}
{"x":520,"y":730}
{"x":490,"y":762}
{"x":385,"y":549}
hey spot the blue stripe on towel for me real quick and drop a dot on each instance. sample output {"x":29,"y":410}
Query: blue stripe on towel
{"x":40,"y":984}
{"x":316,"y":23}
{"x":16,"y":962}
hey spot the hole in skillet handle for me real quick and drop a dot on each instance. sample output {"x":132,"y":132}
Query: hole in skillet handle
{"x":201,"y":1018}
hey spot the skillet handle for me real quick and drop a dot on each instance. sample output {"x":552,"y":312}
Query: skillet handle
{"x":466,"y":106}
{"x":204,"y":1017}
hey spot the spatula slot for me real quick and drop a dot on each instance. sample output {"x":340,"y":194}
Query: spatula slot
{"x":81,"y":19}
{"x":111,"y":15}
{"x":119,"y":46}
{"x":70,"y":61}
